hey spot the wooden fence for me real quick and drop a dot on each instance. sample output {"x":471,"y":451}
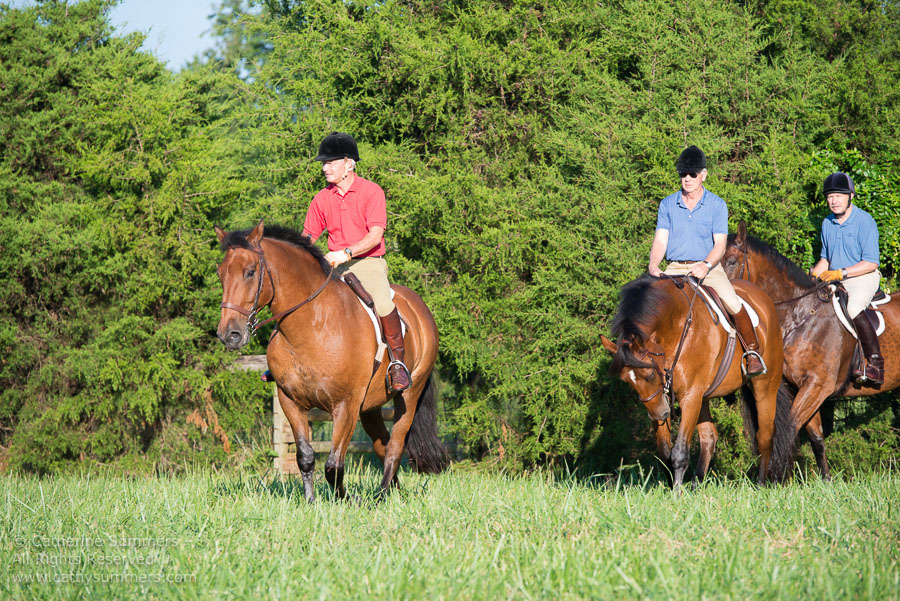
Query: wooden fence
{"x":285,"y":461}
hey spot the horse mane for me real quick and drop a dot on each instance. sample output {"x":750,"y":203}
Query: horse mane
{"x":238,"y":239}
{"x":640,"y":302}
{"x":778,"y":260}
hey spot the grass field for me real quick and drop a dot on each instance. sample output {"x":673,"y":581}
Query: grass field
{"x":466,"y":534}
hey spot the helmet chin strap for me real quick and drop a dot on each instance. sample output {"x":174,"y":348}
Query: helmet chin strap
{"x":347,"y":174}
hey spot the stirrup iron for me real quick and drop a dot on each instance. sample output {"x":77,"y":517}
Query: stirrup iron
{"x":387,"y":374}
{"x":765,"y":369}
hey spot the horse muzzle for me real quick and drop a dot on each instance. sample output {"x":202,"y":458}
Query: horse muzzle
{"x":233,"y":335}
{"x":660,"y":416}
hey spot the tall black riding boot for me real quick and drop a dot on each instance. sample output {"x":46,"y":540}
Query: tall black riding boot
{"x":874,"y":371}
{"x":393,"y":335}
{"x":755,"y":364}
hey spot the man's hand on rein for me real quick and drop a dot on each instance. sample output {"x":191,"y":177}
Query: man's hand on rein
{"x":832,"y":275}
{"x":336,"y":257}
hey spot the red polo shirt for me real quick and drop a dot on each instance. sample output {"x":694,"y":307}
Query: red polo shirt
{"x":348,"y":218}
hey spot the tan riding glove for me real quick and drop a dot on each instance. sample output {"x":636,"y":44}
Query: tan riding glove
{"x":832,"y":275}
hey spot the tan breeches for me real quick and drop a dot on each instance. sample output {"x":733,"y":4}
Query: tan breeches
{"x":860,"y":291}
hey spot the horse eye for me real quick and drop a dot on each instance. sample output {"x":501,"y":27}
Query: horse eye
{"x":730,"y":261}
{"x":249,"y":274}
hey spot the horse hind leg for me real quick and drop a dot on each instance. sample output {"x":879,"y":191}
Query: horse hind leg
{"x":373,"y":424}
{"x":760,"y":399}
{"x":817,"y":441}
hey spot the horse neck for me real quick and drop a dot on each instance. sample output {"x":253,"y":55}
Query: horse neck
{"x":773,"y":280}
{"x":669,"y":324}
{"x":295,"y":272}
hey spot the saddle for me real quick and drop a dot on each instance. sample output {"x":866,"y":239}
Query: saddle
{"x":721,"y":317}
{"x":369,"y":305}
{"x":839,"y":299}
{"x":872,"y":312}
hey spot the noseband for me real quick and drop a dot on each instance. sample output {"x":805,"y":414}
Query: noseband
{"x":253,"y":322}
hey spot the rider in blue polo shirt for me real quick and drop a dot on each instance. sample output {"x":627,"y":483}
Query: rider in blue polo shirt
{"x":850,"y":255}
{"x":691,"y":232}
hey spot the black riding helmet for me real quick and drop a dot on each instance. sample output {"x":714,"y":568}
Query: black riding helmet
{"x":692,"y":160}
{"x":337,"y":145}
{"x":838,"y":182}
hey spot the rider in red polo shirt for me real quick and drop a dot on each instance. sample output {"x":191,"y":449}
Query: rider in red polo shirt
{"x":354,"y":212}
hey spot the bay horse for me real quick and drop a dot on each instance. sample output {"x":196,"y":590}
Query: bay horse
{"x":818,"y":350}
{"x":670,"y":348}
{"x":322,"y":352}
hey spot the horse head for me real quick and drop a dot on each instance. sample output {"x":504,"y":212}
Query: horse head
{"x":245,"y":289}
{"x":642,"y":365}
{"x":736,"y":260}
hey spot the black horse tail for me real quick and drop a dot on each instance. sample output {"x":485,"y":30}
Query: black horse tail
{"x":426,"y":452}
{"x":784,"y":442}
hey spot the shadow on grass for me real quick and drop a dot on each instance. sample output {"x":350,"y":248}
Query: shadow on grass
{"x":362,"y":480}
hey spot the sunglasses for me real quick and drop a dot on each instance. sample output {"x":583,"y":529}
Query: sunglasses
{"x":692,"y":175}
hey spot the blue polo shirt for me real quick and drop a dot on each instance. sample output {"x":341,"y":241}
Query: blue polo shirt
{"x":848,"y":243}
{"x":691,"y":232}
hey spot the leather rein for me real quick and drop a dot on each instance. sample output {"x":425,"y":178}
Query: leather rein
{"x":817,"y":289}
{"x":253,"y":322}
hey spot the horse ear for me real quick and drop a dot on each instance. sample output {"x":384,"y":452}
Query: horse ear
{"x":741,"y":238}
{"x":608,"y":344}
{"x":220,"y":233}
{"x":256,"y":236}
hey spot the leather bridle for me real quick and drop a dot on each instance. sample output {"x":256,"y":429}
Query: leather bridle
{"x":253,"y":322}
{"x":666,"y":375}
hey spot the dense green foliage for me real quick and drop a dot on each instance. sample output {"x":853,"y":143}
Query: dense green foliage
{"x":459,"y":535}
{"x":523,"y":147}
{"x":111,"y":174}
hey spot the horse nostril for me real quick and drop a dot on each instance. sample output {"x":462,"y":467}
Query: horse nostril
{"x":234,"y":337}
{"x":664,"y":416}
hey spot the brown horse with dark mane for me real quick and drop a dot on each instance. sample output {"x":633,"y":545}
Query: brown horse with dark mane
{"x":323,"y":352}
{"x":818,"y":350}
{"x":670,"y":348}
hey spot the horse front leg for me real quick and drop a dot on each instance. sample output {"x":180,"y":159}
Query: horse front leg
{"x":709,"y":436}
{"x":817,"y":441}
{"x":681,"y":451}
{"x":306,"y":457}
{"x":664,"y":440}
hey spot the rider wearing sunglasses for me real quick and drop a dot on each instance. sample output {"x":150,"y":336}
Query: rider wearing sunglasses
{"x":691,"y":233}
